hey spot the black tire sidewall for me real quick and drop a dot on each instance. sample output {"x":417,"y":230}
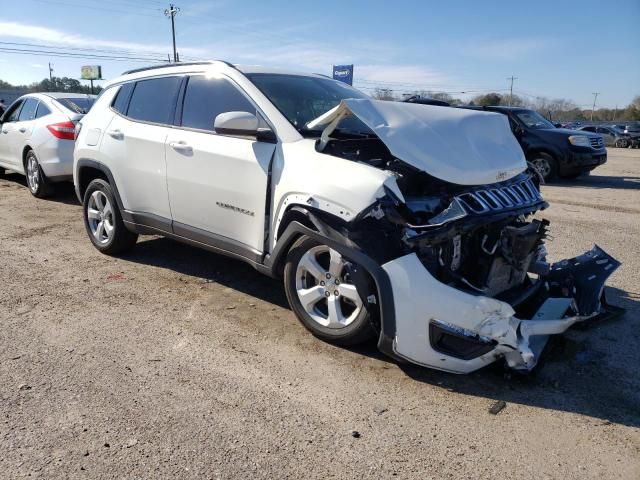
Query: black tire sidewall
{"x":43,"y":189}
{"x":358,"y":331}
{"x":121,"y":239}
{"x":553,"y":165}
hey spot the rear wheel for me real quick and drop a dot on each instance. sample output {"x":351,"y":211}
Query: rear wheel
{"x":546,"y":165}
{"x":36,"y":180}
{"x":103,"y":221}
{"x":323,"y":296}
{"x":622,"y":143}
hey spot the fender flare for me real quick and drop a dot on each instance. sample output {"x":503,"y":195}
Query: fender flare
{"x":334,"y":239}
{"x":84,"y":163}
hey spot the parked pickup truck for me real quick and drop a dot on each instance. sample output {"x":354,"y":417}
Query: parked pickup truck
{"x":554,"y":152}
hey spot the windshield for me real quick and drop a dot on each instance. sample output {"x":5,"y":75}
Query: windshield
{"x":303,"y":98}
{"x":77,"y":105}
{"x":534,"y":120}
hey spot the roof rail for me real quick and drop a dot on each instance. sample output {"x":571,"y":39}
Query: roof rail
{"x":173,"y":64}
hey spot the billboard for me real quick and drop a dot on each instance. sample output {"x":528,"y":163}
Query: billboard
{"x":344,"y":73}
{"x":91,"y":72}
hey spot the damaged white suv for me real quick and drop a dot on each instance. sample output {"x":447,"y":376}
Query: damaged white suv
{"x":406,"y":222}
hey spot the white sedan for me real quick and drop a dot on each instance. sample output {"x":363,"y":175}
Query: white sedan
{"x":37,"y":134}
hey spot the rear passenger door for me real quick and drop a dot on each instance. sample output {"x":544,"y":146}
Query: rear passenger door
{"x":135,"y":143}
{"x":217,"y":183}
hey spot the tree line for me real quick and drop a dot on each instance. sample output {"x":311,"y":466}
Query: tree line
{"x":55,"y":84}
{"x":557,"y":110}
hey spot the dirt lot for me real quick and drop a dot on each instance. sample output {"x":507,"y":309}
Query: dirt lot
{"x":176,"y":363}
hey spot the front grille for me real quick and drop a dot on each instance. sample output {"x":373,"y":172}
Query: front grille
{"x":596,"y":142}
{"x":518,"y":194}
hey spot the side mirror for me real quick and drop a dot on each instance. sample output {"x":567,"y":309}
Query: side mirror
{"x":236,"y":123}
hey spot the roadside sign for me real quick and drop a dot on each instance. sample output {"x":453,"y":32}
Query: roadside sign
{"x":344,"y":73}
{"x":91,"y":72}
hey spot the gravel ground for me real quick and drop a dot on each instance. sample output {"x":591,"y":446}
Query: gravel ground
{"x":172,"y":362}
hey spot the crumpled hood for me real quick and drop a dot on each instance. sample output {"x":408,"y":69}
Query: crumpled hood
{"x":465,"y":147}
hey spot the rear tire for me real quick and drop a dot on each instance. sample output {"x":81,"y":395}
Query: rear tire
{"x":37,"y":181}
{"x":546,"y":165}
{"x":103,"y":221}
{"x":317,"y":276}
{"x":621,"y":143}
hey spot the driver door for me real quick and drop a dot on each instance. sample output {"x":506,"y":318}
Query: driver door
{"x":217,"y":183}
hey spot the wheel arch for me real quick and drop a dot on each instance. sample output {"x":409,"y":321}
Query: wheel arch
{"x":327,"y":235}
{"x":88,"y":170}
{"x":25,"y":150}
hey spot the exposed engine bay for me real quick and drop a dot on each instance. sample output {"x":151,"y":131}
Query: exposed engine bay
{"x":491,"y":254}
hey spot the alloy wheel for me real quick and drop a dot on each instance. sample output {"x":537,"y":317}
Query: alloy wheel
{"x":100,"y":217}
{"x":33,"y":173}
{"x":542,"y":166}
{"x":324,"y":288}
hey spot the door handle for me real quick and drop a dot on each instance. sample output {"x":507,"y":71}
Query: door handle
{"x":181,"y":146}
{"x":22,"y":130}
{"x":117,"y":134}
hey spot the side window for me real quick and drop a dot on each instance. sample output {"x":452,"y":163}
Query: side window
{"x":13,"y":112}
{"x":28,"y":111}
{"x":42,"y":110}
{"x":589,"y":129}
{"x":153,"y":100}
{"x":121,"y":100}
{"x":205,"y":98}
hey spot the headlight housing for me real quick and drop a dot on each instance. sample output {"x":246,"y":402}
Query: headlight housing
{"x":579,"y":140}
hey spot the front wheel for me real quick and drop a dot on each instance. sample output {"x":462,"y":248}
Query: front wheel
{"x":323,"y":296}
{"x":103,"y":221}
{"x":546,"y":166}
{"x":622,"y":143}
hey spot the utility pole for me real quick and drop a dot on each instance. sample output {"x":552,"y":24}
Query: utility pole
{"x":512,"y":78}
{"x":595,"y":97}
{"x":172,"y":12}
{"x":50,"y":72}
{"x":615,"y":112}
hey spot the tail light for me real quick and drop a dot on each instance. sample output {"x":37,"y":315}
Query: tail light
{"x":77,"y":132}
{"x":63,"y":130}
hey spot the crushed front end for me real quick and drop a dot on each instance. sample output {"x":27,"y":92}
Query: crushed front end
{"x":460,"y":239}
{"x":469,"y":272}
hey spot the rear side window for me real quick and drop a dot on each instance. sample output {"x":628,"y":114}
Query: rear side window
{"x":122,"y":98}
{"x":77,"y":105}
{"x":42,"y":110}
{"x":153,"y":100}
{"x":28,"y":111}
{"x":205,"y":98}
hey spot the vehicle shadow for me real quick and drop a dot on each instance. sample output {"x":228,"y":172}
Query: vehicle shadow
{"x":572,"y":377}
{"x":599,"y":181}
{"x":62,"y":192}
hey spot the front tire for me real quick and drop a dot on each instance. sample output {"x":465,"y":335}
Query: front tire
{"x":546,"y":165}
{"x":37,"y":181}
{"x":103,"y":221}
{"x":323,"y":296}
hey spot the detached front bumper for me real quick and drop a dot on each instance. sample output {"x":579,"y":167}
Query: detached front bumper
{"x":441,"y":327}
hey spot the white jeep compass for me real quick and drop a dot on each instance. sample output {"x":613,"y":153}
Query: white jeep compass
{"x":405,"y":222}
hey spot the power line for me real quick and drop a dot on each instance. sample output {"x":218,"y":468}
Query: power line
{"x":123,"y":58}
{"x":152,"y":56}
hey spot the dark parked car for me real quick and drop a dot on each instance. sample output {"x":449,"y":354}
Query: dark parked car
{"x":613,"y":136}
{"x":427,"y":101}
{"x":553,"y":151}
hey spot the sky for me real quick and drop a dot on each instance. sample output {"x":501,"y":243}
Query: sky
{"x":556,"y":49}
